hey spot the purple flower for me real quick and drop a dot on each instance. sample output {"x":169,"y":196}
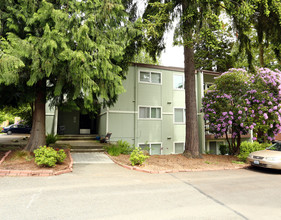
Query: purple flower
{"x":224,"y":113}
{"x":242,"y":125}
{"x":275,"y":108}
{"x":251,"y":127}
{"x":230,"y":122}
{"x":230,"y":112}
{"x":254,"y":138}
{"x":239,"y":117}
{"x":240,"y":112}
{"x":265,"y":116}
{"x":246,"y":109}
{"x":260,"y":112}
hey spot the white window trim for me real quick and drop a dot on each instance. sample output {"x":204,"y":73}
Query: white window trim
{"x":150,"y":77}
{"x":206,"y":84}
{"x":177,"y":89}
{"x":148,"y":106}
{"x":149,"y":144}
{"x":178,"y":142}
{"x":184,"y":116}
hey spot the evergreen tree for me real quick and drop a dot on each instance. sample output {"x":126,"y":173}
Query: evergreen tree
{"x":63,"y":50}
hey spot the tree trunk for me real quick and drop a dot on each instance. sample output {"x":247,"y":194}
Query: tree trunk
{"x":38,"y":132}
{"x":191,"y":132}
{"x":261,"y":54}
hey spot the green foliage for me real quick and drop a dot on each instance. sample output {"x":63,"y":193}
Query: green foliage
{"x":51,"y":139}
{"x":246,"y":148}
{"x":223,"y":149}
{"x":125,"y":147}
{"x":122,"y":147}
{"x":137,"y":157}
{"x":48,"y":156}
{"x":237,"y":162}
{"x":23,"y":154}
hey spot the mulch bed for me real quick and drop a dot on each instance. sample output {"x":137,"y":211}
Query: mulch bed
{"x":178,"y":163}
{"x":20,"y":165}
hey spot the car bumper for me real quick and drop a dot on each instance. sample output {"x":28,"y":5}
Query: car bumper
{"x":264,"y":163}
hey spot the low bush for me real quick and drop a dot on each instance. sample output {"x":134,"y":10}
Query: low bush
{"x":137,"y":157}
{"x":223,"y":149}
{"x":247,"y":147}
{"x":125,"y":147}
{"x":122,"y":147}
{"x":51,"y":139}
{"x":48,"y":156}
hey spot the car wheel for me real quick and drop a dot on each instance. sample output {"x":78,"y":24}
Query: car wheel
{"x":9,"y":132}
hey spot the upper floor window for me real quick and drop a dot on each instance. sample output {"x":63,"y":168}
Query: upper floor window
{"x":207,"y":85}
{"x":178,"y":81}
{"x":150,"y":77}
{"x":150,"y":112}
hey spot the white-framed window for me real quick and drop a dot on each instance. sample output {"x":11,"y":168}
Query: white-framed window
{"x":178,"y":81}
{"x":207,"y":85}
{"x":178,"y":147}
{"x":150,"y":112}
{"x":152,"y":148}
{"x":150,"y":77}
{"x":179,"y":115}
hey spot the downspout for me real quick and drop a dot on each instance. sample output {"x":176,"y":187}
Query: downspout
{"x":107,"y":120}
{"x":56,"y":121}
{"x":135,"y":106}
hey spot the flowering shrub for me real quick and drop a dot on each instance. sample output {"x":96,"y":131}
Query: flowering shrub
{"x":48,"y":156}
{"x":240,"y":101}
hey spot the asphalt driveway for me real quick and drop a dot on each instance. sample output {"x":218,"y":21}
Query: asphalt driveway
{"x":107,"y":191}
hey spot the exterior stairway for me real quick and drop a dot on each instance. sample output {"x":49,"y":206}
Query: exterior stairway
{"x":81,"y":143}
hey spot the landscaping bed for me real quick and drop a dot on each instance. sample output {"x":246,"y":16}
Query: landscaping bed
{"x":18,"y":163}
{"x":177,"y":162}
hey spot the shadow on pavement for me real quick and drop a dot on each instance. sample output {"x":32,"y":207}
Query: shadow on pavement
{"x":265,"y":170}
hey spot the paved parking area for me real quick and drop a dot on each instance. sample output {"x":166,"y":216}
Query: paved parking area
{"x":108,"y":191}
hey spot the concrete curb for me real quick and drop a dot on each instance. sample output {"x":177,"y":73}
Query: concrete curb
{"x":172,"y":171}
{"x":37,"y":172}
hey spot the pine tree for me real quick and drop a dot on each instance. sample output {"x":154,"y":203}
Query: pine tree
{"x":63,"y":50}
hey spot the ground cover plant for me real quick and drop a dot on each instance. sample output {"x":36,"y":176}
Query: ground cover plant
{"x":137,"y":157}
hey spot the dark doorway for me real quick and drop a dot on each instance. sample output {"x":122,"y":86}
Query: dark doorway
{"x":87,"y":124}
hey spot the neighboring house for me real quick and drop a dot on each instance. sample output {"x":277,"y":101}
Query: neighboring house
{"x":150,"y":113}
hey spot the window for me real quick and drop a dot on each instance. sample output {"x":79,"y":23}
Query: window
{"x":150,"y":112}
{"x":178,"y":81}
{"x":207,"y":85}
{"x":179,"y":115}
{"x":152,"y":148}
{"x":150,"y":77}
{"x":179,"y":148}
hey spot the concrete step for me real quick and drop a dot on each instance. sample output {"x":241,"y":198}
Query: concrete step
{"x":87,"y":150}
{"x":87,"y":147}
{"x":78,"y":137}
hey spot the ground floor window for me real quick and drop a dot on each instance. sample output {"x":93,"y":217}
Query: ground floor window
{"x":152,"y":148}
{"x":214,"y":147}
{"x":179,"y":148}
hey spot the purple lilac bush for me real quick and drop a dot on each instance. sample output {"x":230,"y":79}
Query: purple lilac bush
{"x":240,"y":101}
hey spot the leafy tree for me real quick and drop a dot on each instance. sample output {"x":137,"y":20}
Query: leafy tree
{"x":215,"y":53}
{"x":264,"y":17}
{"x":144,"y":57}
{"x":64,"y":51}
{"x":240,"y":101}
{"x":194,"y":16}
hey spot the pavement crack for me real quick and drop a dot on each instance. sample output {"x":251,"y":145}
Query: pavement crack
{"x":34,"y":197}
{"x":209,"y":196}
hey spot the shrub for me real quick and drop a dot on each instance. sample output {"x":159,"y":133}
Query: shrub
{"x":137,"y":157}
{"x":48,"y":156}
{"x":246,"y":148}
{"x":51,"y":139}
{"x":122,"y":147}
{"x":223,"y":149}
